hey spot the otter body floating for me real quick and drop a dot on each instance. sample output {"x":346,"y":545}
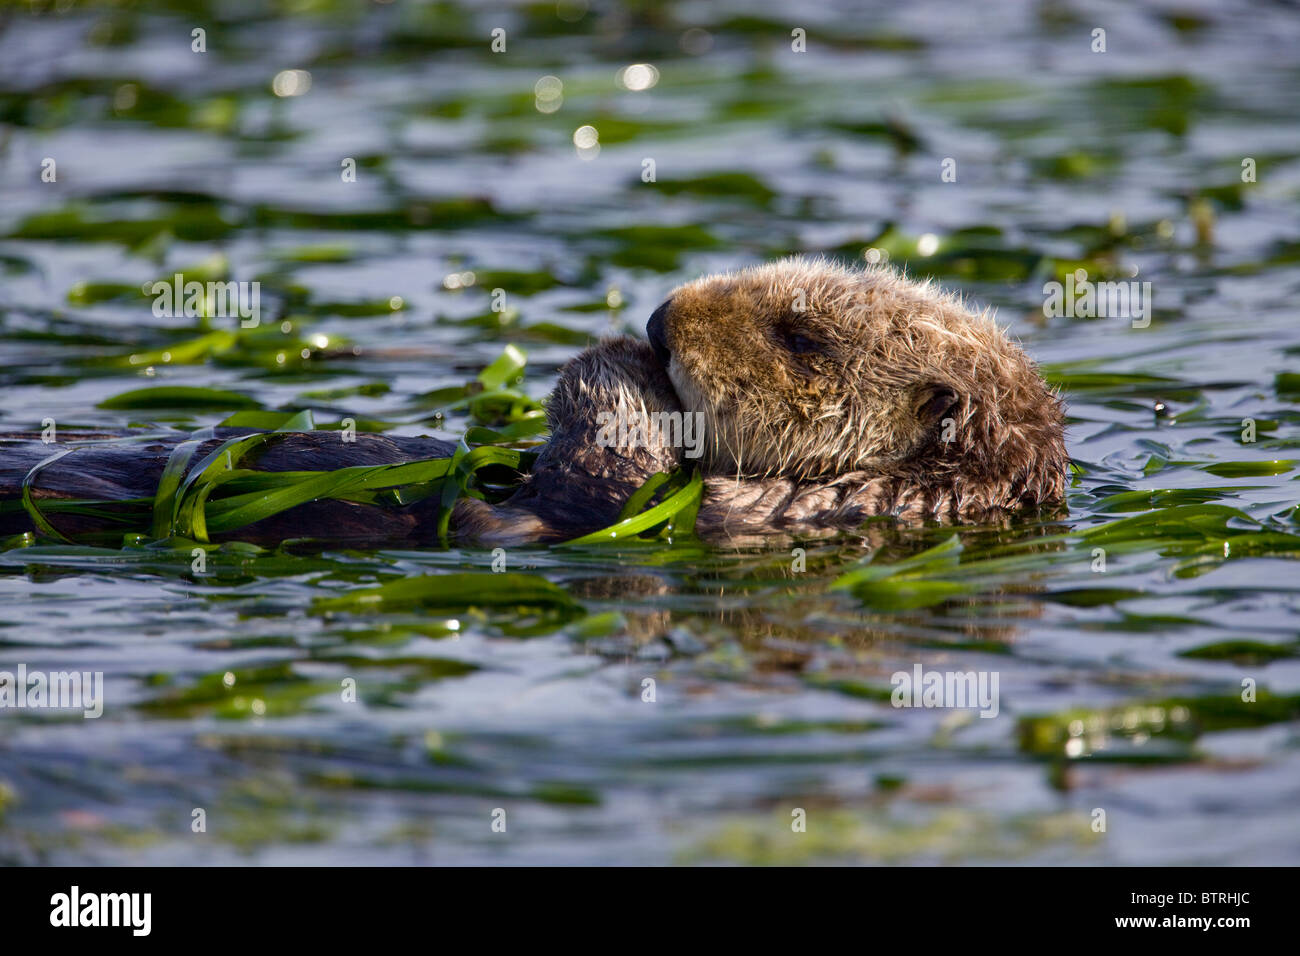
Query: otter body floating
{"x":808,"y":396}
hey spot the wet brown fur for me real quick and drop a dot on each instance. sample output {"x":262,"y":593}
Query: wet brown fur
{"x":841,"y":382}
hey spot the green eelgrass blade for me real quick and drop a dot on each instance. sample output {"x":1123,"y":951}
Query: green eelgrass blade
{"x":164,"y":505}
{"x":908,"y":584}
{"x":460,"y":589}
{"x":29,"y":503}
{"x":506,"y":367}
{"x":84,"y":506}
{"x":302,"y":421}
{"x":683,"y":523}
{"x":943,"y":556}
{"x":179,"y":396}
{"x":641,"y":497}
{"x":262,"y":420}
{"x":684,"y":501}
{"x":353,"y":484}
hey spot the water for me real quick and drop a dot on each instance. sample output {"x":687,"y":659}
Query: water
{"x":223,"y":689}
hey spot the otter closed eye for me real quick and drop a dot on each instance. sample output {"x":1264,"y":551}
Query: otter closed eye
{"x":798,"y":343}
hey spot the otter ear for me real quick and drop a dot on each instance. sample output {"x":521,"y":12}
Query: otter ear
{"x":933,"y":401}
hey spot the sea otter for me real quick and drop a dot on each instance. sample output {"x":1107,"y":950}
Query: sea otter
{"x":827,"y":395}
{"x":815,"y":396}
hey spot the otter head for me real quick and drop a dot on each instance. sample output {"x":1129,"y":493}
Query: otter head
{"x":806,"y":369}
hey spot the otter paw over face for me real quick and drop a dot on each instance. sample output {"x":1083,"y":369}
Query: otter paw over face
{"x":611,"y":417}
{"x":807,"y":370}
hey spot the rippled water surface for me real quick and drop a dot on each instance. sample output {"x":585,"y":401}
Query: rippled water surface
{"x":1120,"y":690}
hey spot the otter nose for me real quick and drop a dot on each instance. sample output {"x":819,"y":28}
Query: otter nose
{"x":657,"y":334}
